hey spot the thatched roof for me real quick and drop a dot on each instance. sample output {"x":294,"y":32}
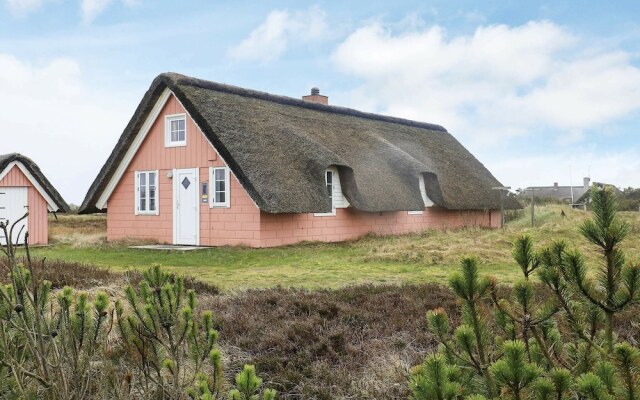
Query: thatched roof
{"x":561,"y":193}
{"x":34,"y":170}
{"x":279,"y":147}
{"x":586,"y":197}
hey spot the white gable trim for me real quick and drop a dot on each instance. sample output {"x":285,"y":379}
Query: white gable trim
{"x":51,"y":205}
{"x":101,"y":204}
{"x":133,"y":149}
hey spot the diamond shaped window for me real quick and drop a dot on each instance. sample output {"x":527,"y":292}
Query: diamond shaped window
{"x":186,"y":183}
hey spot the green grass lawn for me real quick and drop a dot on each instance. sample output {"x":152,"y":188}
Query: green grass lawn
{"x":427,"y":257}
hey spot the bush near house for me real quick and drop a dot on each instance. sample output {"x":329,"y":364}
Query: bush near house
{"x":629,"y":199}
{"x":65,"y":346}
{"x":565,"y":347}
{"x":355,"y":342}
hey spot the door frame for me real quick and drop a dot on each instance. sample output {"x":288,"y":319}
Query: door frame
{"x":25,"y":189}
{"x":176,"y":183}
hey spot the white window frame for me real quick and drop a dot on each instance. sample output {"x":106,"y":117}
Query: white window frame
{"x":425,"y":199}
{"x":167,"y":130}
{"x":331,"y":192}
{"x":212,"y":188}
{"x":137,"y":210}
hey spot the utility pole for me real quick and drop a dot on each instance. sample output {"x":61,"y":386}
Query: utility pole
{"x":532,"y":208}
{"x":502,"y":189}
{"x":532,"y":190}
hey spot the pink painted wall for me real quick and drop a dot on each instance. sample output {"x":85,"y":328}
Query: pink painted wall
{"x":238,"y":224}
{"x":37,"y":221}
{"x":349,"y":223}
{"x":243,"y":223}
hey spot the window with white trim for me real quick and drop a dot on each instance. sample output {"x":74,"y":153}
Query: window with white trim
{"x":425,"y":199}
{"x":329,"y":179}
{"x":176,"y":130}
{"x":147,"y":192}
{"x":220,"y":188}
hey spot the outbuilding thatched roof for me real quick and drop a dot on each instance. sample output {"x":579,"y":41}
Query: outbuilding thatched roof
{"x":279,"y":147}
{"x":34,"y":170}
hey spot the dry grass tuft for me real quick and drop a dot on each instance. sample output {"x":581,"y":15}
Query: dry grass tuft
{"x":491,"y":246}
{"x":78,"y":230}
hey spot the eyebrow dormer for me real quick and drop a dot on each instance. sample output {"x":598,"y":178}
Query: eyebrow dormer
{"x":334,"y":191}
{"x":423,"y":192}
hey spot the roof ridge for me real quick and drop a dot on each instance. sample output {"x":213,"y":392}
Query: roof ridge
{"x":179,"y":79}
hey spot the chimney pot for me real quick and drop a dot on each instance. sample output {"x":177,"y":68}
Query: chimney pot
{"x":316,"y":97}
{"x":586,"y":182}
{"x":555,"y":184}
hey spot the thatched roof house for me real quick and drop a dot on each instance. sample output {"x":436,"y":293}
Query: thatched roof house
{"x":278,"y":147}
{"x":565,"y":194}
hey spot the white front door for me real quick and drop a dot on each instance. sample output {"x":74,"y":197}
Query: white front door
{"x":13,"y":206}
{"x":186,"y":208}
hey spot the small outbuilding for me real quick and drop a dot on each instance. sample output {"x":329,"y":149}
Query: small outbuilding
{"x":24,"y":188}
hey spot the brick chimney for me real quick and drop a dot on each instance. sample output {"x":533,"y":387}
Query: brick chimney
{"x":316,"y":97}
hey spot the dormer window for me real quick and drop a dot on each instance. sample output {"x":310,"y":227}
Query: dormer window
{"x":334,"y":192}
{"x":425,"y":199}
{"x":329,"y":180}
{"x":176,"y":130}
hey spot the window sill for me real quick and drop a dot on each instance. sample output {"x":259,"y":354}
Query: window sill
{"x":176,"y":144}
{"x":415,"y":212}
{"x":331,"y":214}
{"x":219,"y":206}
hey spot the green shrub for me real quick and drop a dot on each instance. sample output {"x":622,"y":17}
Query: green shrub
{"x":561,"y":344}
{"x":67,"y":349}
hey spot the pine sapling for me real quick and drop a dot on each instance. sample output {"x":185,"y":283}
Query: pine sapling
{"x":436,"y":379}
{"x":513,"y":373}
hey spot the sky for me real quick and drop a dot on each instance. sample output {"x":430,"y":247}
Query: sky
{"x":539,"y":91}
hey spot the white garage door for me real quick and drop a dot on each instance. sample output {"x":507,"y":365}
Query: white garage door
{"x":13,"y":206}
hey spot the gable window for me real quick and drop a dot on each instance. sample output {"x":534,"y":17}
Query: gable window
{"x":147,"y":192}
{"x":220,"y":190}
{"x":176,"y":130}
{"x":329,"y":178}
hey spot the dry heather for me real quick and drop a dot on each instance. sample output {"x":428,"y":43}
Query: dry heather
{"x":88,"y":277}
{"x":356,"y":342}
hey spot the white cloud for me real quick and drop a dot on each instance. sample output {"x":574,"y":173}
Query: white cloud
{"x":496,"y":83}
{"x":23,"y":7}
{"x":272,"y":38}
{"x":50,"y":115}
{"x":92,"y":8}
